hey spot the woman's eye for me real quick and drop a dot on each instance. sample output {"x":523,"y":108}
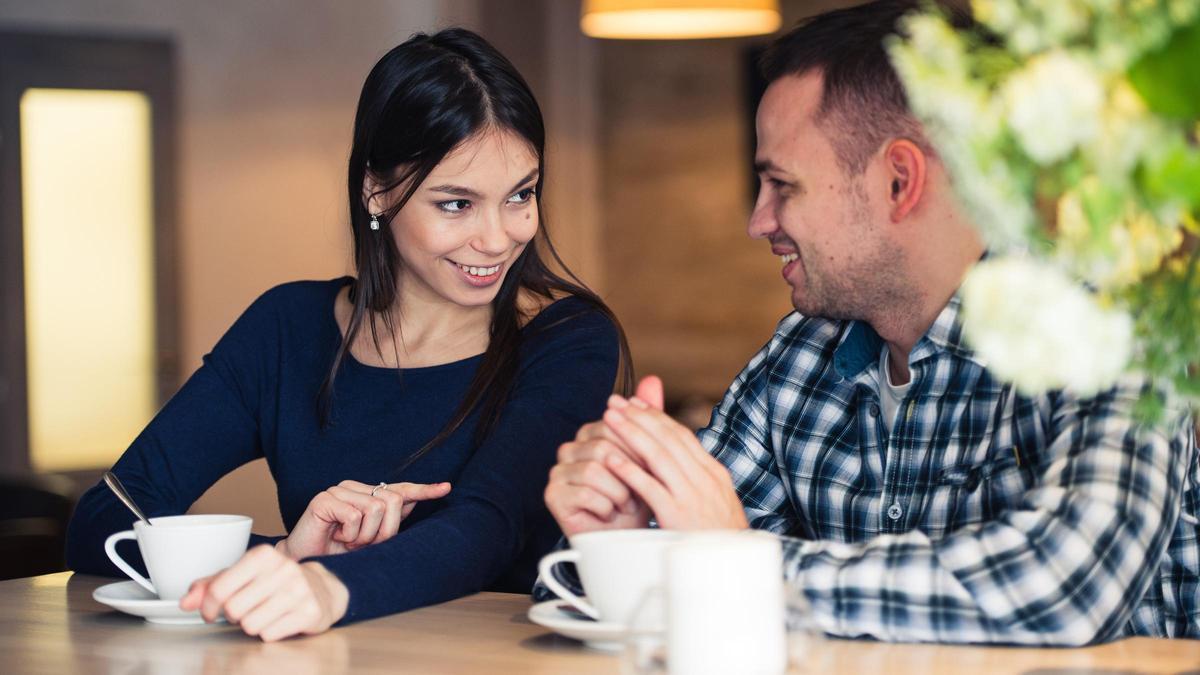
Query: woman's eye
{"x":454,"y":205}
{"x":522,"y":196}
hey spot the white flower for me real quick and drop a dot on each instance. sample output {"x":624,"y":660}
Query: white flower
{"x":993,"y":196}
{"x":1065,"y":19}
{"x":1126,"y":131}
{"x":965,"y":124}
{"x":933,"y":43}
{"x":1036,"y":328}
{"x":1054,"y":105}
{"x":931,"y":61}
{"x":1030,"y":27}
{"x":998,"y":15}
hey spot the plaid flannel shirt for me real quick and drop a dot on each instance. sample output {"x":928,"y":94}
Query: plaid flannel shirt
{"x":982,"y":515}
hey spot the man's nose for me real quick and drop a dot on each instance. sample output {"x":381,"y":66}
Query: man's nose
{"x":763,"y":222}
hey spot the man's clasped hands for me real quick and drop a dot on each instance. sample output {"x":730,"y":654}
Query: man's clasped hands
{"x":636,"y":463}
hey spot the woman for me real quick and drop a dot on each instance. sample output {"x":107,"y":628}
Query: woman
{"x":409,"y":415}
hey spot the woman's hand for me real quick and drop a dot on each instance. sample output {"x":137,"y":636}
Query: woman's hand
{"x":347,"y":516}
{"x":270,"y":595}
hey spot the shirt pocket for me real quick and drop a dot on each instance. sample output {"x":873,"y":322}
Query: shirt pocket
{"x":974,"y":493}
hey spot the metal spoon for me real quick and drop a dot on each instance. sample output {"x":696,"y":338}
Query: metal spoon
{"x":114,"y":484}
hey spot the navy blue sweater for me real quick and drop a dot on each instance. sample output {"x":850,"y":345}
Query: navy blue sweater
{"x":256,"y":396}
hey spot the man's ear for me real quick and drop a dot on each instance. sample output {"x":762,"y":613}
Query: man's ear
{"x":905,"y":164}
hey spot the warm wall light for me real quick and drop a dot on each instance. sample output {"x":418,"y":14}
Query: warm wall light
{"x":89,"y":273}
{"x":678,"y":19}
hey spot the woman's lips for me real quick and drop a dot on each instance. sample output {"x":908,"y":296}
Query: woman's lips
{"x":479,"y":276}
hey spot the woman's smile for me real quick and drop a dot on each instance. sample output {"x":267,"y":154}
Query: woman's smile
{"x":478,"y":276}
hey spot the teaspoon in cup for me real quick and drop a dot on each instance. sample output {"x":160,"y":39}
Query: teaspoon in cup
{"x":114,"y":484}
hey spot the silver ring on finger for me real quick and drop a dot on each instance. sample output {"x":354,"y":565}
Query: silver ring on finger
{"x":377,"y":488}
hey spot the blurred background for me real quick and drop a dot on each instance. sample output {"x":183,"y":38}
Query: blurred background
{"x":163,"y":162}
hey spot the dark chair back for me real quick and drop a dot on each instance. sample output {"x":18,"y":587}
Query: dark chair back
{"x":34,"y":511}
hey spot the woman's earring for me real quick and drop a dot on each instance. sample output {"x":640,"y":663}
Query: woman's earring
{"x":375,"y":221}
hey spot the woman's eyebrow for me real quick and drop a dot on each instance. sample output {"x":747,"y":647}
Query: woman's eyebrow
{"x":460,"y":191}
{"x":530,"y":176}
{"x":456,"y":190}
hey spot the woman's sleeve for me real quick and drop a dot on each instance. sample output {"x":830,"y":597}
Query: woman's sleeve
{"x":565,"y":378}
{"x":207,"y":429}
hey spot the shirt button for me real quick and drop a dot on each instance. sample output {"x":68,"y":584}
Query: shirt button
{"x":873,"y":410}
{"x":894,"y":512}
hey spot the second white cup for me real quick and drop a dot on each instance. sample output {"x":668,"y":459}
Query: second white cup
{"x":617,"y":568}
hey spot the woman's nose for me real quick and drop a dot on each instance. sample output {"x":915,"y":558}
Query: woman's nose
{"x":493,"y":238}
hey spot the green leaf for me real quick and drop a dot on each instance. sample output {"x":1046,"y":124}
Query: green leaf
{"x":991,"y":64}
{"x":1188,"y":386}
{"x":1167,"y":79}
{"x":1175,"y":174}
{"x":1149,"y":408}
{"x":1103,"y":206}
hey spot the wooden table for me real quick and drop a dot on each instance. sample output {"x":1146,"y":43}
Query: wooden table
{"x":50,"y":624}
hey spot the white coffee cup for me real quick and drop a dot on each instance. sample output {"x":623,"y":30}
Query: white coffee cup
{"x":178,"y":550}
{"x":725,"y":604}
{"x":617,"y":568}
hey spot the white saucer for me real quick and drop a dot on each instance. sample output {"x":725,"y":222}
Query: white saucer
{"x":565,"y":620}
{"x":129,"y":597}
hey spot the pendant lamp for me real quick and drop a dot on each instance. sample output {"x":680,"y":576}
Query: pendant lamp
{"x":678,"y":19}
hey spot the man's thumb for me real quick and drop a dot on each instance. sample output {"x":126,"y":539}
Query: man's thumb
{"x":650,"y":390}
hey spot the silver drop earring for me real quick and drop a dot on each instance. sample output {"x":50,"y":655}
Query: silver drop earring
{"x":375,"y":222}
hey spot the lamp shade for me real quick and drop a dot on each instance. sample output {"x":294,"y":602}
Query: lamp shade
{"x":678,"y":19}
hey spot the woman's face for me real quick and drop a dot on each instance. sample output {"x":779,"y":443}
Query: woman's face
{"x":470,"y":219}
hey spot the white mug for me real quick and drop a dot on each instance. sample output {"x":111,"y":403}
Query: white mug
{"x":725,"y":605}
{"x":178,"y":550}
{"x":617,"y":568}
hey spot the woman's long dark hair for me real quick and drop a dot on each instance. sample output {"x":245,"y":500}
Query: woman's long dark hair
{"x":420,"y":101}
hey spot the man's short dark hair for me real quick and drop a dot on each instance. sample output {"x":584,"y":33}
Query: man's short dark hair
{"x":863,"y":102}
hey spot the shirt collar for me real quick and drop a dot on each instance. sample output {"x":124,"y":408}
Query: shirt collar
{"x":860,"y":344}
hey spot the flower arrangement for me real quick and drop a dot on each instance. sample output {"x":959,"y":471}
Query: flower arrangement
{"x":1071,"y":130}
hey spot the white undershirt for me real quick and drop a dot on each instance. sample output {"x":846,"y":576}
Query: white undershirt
{"x":890,"y":395}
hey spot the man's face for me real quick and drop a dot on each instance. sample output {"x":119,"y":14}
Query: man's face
{"x":817,"y":219}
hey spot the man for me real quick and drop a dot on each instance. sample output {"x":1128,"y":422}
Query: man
{"x":920,"y":498}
